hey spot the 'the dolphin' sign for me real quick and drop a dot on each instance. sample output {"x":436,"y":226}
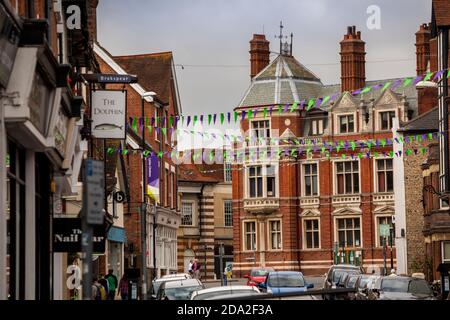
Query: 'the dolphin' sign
{"x":109,"y":114}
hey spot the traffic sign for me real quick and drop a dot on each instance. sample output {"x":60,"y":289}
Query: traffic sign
{"x":94,"y":191}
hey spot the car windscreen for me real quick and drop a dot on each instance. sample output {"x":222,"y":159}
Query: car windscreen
{"x":209,"y":295}
{"x":394,"y":285}
{"x":260,"y":272}
{"x":279,"y":281}
{"x":181,"y":293}
{"x":364,"y":281}
{"x":419,"y":286}
{"x":338,"y":274}
{"x":352,"y":281}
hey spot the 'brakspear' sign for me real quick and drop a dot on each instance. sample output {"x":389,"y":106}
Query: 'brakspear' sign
{"x":109,"y":114}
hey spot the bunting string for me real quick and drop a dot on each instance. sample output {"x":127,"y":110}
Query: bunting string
{"x":305,"y":104}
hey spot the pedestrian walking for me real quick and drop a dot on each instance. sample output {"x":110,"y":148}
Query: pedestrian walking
{"x":112,"y":284}
{"x":189,"y":270}
{"x":195,"y":269}
{"x":102,"y":280}
{"x":123,"y":287}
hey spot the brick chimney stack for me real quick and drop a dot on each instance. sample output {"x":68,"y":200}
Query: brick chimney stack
{"x":259,"y":54}
{"x":426,"y":56}
{"x":353,"y":65}
{"x":92,"y":19}
{"x":423,"y":48}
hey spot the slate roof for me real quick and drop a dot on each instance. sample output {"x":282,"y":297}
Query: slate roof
{"x":428,"y":121}
{"x":283,"y":81}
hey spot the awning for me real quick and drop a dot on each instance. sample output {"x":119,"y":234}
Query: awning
{"x":116,"y":234}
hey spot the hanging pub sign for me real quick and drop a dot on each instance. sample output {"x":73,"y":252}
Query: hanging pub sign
{"x":67,"y":235}
{"x":109,"y":114}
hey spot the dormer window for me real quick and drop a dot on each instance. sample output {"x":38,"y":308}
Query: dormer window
{"x":346,"y":124}
{"x":316,"y":127}
{"x":386,"y":120}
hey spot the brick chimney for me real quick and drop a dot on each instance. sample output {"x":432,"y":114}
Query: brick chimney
{"x":92,"y":19}
{"x":353,"y":73}
{"x":259,"y":54}
{"x":423,"y":48}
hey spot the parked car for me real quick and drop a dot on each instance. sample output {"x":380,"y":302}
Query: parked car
{"x":158,"y":282}
{"x":365,"y":285}
{"x":177,"y":275}
{"x":257,"y":275}
{"x":335,"y":273}
{"x":402,"y":288}
{"x":280,"y":282}
{"x":207,"y":294}
{"x":178,"y":289}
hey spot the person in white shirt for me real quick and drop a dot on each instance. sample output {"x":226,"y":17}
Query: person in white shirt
{"x":190,"y":271}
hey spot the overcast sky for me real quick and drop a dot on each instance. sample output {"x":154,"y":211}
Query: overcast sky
{"x":210,"y":38}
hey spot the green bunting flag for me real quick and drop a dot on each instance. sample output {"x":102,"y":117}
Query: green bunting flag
{"x":170,"y":121}
{"x":386,"y":85}
{"x":428,"y":76}
{"x":325,"y":100}
{"x":236,"y":115}
{"x":280,"y":108}
{"x":294,"y":106}
{"x":265,"y":112}
{"x":195,"y":119}
{"x":407,"y":82}
{"x":209,"y":118}
{"x":134,"y":125}
{"x":222,"y":118}
{"x":366,"y":89}
{"x":310,"y":104}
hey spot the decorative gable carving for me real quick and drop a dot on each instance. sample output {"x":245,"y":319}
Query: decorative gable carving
{"x":346,"y":211}
{"x":345,"y":103}
{"x":384,"y":210}
{"x":287,"y":134}
{"x":388,"y":97}
{"x":310,"y":213}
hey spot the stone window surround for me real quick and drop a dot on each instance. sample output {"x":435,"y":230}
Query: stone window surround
{"x":375,"y":174}
{"x":263,"y":174}
{"x":269,"y":234}
{"x":244,"y":238}
{"x":377,"y":237}
{"x":349,"y":216}
{"x":304,"y":247}
{"x":335,"y":186}
{"x":337,"y":126}
{"x":302,"y":177}
{"x":194,"y":220}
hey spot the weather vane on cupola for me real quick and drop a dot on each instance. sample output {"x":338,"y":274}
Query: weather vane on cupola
{"x":285,"y":48}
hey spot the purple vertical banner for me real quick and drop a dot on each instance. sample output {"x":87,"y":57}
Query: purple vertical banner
{"x":153,"y":177}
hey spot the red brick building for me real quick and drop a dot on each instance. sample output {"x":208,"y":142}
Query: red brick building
{"x":306,"y":212}
{"x":155,"y":73}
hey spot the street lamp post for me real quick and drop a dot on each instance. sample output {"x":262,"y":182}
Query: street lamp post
{"x":144,"y":202}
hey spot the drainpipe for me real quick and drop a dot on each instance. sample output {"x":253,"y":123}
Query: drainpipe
{"x":200,"y":214}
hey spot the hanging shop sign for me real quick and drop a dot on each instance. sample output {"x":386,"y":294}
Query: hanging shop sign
{"x":67,"y":235}
{"x":108,"y":114}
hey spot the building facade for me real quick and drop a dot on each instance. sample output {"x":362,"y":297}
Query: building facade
{"x":41,"y":116}
{"x":156,"y":74}
{"x":206,"y":218}
{"x":308,"y":210}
